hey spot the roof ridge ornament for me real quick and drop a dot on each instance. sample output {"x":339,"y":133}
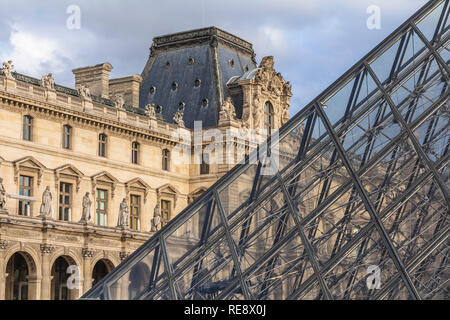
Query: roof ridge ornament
{"x":8,"y":66}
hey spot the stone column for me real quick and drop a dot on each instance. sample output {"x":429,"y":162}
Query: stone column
{"x":34,"y":287}
{"x":3,"y":275}
{"x":46,"y":250}
{"x":87,"y":268}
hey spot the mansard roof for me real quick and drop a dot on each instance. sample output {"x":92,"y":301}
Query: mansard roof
{"x":187,"y":72}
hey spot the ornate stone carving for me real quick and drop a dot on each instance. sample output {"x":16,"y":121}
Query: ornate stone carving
{"x":47,"y":248}
{"x":46,"y":210}
{"x":270,"y":80}
{"x":150,"y":111}
{"x":87,"y":253}
{"x":156,"y":220}
{"x":123,"y":255}
{"x":7,"y":69}
{"x":2,"y":196}
{"x":48,"y":82}
{"x":3,"y":244}
{"x":84,"y":93}
{"x":124,"y":214}
{"x":285,"y":114}
{"x":86,"y":215}
{"x":178,"y":119}
{"x":258,"y":117}
{"x":227,"y":111}
{"x":119,"y":101}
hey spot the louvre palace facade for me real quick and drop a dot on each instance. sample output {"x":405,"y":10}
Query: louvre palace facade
{"x":88,"y":174}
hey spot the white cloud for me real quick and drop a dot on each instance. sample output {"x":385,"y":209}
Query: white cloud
{"x":35,"y":55}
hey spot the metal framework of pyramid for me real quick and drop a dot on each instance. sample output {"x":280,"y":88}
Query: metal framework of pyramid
{"x":359,"y":205}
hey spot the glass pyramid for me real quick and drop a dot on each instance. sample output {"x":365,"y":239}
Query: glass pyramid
{"x":359,"y":205}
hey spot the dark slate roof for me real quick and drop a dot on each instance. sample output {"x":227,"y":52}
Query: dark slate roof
{"x":210,"y":55}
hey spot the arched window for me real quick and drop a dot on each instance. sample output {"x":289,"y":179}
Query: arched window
{"x":67,"y":137}
{"x":135,"y":152}
{"x":102,"y":139}
{"x":268,"y":118}
{"x":27,"y":128}
{"x":166,"y":160}
{"x":99,"y":272}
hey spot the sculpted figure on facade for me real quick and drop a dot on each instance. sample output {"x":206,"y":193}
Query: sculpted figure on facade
{"x":258,"y":117}
{"x":156,"y":220}
{"x":48,"y":82}
{"x":2,"y":195}
{"x":227,"y":111}
{"x":84,"y":93}
{"x":86,"y":215}
{"x":119,"y":101}
{"x":178,"y":119}
{"x":46,"y":210}
{"x":150,"y":111}
{"x":285,"y":114}
{"x":124,"y":214}
{"x":7,"y":69}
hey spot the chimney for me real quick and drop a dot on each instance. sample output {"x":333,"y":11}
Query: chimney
{"x":128,"y":87}
{"x":96,"y":78}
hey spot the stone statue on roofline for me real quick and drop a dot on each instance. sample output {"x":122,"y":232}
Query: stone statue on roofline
{"x":119,"y":101}
{"x":7,"y":69}
{"x":48,"y":82}
{"x":227,"y":110}
{"x":84,"y":92}
{"x":178,"y":119}
{"x":150,"y":111}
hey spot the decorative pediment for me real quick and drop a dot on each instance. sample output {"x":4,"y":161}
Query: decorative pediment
{"x":196,"y":193}
{"x":31,"y":164}
{"x":104,"y":178}
{"x":137,"y":184}
{"x":68,"y":171}
{"x":270,"y":80}
{"x":167,"y":191}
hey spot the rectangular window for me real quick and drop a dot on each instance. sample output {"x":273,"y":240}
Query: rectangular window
{"x":204,"y":166}
{"x":27,"y":128}
{"x":165,"y":211}
{"x":135,"y":209}
{"x":135,"y":152}
{"x":101,"y":207}
{"x":25,"y":189}
{"x":165,"y":159}
{"x":67,"y":137}
{"x":65,"y":201}
{"x":102,"y":145}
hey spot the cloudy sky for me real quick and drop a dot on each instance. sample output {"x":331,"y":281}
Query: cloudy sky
{"x":313,"y":41}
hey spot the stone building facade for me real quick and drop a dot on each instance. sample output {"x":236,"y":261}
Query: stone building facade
{"x":88,"y":174}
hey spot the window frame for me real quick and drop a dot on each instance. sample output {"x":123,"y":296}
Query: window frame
{"x":62,"y":205}
{"x":21,"y":208}
{"x":135,"y":152}
{"x":102,"y":145}
{"x":204,"y":166}
{"x":268,"y":117}
{"x":67,"y":137}
{"x":166,"y":160}
{"x":99,"y":213}
{"x":166,"y":213}
{"x":135,"y":222}
{"x":27,"y":128}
